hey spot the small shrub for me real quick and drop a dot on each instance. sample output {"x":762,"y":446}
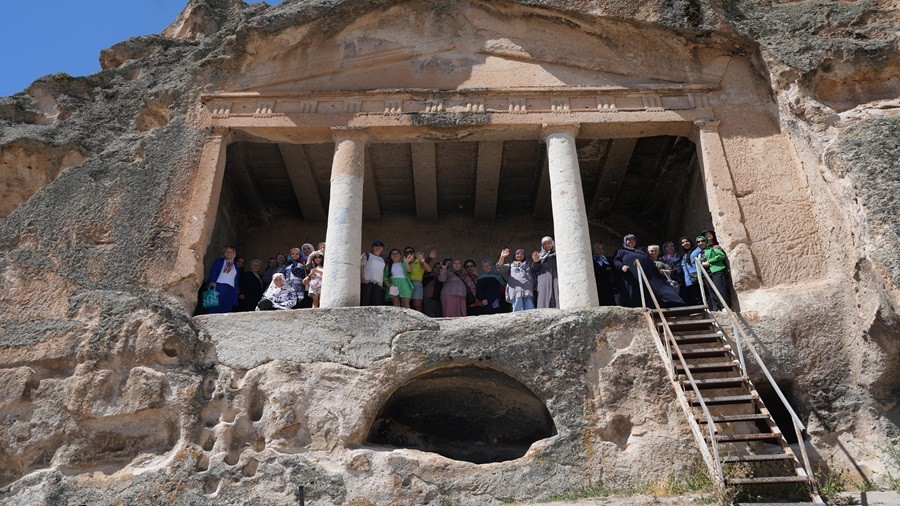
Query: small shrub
{"x":892,"y":450}
{"x":830,"y":484}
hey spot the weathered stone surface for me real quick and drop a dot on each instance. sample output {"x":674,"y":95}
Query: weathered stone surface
{"x":343,"y":336}
{"x":109,"y":391}
{"x":283,"y":422}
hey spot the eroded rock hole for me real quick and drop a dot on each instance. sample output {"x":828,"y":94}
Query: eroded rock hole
{"x":249,"y":470}
{"x":464,"y":413}
{"x":210,"y":484}
{"x":170,"y":349}
{"x":260,"y":444}
{"x":203,"y":463}
{"x":257,"y":405}
{"x":208,"y":439}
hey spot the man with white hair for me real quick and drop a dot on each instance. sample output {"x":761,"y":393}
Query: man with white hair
{"x":224,"y":278}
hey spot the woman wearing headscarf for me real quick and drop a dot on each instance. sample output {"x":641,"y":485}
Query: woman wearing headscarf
{"x":603,"y":276}
{"x":543,"y":268}
{"x":690,"y":289}
{"x":520,"y":283}
{"x":470,"y":276}
{"x":631,"y":287}
{"x":305,"y":251}
{"x":716,"y":262}
{"x":271,"y":269}
{"x":489,"y":289}
{"x":279,"y":295}
{"x":453,"y":290}
{"x":670,"y":255}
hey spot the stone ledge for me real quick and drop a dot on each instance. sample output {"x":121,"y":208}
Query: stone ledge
{"x":355,"y":337}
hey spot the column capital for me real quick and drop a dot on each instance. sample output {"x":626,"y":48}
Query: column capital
{"x":707,"y":125}
{"x":350,"y":133}
{"x":548,"y":129}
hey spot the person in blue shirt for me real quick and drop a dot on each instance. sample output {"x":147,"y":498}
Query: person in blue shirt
{"x":690,"y":289}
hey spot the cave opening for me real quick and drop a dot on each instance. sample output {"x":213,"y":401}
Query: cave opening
{"x":466,"y":413}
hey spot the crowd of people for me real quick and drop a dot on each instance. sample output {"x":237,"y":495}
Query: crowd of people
{"x":453,"y":287}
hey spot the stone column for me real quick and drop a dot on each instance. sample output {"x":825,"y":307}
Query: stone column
{"x":724,"y":207}
{"x":340,"y":284}
{"x":570,"y":224}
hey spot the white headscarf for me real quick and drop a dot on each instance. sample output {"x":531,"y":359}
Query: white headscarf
{"x":303,"y":256}
{"x":274,"y":289}
{"x":547,"y":253}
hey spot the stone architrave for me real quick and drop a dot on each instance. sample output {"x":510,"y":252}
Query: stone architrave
{"x":727,"y":216}
{"x":340,"y":282}
{"x":570,"y":225}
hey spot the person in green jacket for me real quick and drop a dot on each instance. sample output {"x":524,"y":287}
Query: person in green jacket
{"x":716,"y":262}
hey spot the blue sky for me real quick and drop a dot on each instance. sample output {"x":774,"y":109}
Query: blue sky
{"x":41,"y":37}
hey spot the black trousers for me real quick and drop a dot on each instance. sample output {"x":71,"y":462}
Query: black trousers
{"x":691,"y":294}
{"x":371,"y":294}
{"x":722,"y":280}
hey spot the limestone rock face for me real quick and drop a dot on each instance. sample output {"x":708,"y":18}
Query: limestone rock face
{"x":297,"y":413}
{"x":109,"y":390}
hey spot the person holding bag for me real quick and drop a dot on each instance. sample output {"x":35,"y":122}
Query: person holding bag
{"x":396,"y":279}
{"x":224,"y":279}
{"x":453,"y":291}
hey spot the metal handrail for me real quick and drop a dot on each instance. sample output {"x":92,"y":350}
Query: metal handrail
{"x":799,"y":428}
{"x":712,"y":461}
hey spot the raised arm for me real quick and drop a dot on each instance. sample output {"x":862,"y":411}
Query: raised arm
{"x":503,"y":255}
{"x":423,"y":262}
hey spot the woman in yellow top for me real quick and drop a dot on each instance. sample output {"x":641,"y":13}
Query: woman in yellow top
{"x":418,"y":265}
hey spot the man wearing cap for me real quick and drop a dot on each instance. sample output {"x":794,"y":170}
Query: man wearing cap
{"x":371,"y":274}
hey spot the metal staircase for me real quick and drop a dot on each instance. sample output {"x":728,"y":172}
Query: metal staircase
{"x":744,"y":449}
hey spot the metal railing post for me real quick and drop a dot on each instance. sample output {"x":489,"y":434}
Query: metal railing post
{"x":699,"y":267}
{"x":713,"y":461}
{"x":737,"y":342}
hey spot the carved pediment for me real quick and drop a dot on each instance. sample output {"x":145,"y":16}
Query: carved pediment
{"x":471,"y":47}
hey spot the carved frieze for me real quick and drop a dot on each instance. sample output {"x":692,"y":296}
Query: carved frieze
{"x":225,"y":105}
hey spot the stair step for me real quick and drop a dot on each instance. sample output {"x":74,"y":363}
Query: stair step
{"x":735,"y":418}
{"x":707,"y":368}
{"x":775,"y":503}
{"x":758,"y":458}
{"x":704,"y":352}
{"x":766,"y":479}
{"x":729,"y":399}
{"x":683,"y":310}
{"x":698,"y":338}
{"x":706,"y":384}
{"x":683,"y":325}
{"x":737,"y":438}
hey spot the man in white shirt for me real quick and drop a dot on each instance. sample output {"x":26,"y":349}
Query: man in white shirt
{"x":371,"y":274}
{"x":223,"y":278}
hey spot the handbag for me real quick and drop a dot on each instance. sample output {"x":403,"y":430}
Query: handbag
{"x":210,"y":298}
{"x":470,"y":297}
